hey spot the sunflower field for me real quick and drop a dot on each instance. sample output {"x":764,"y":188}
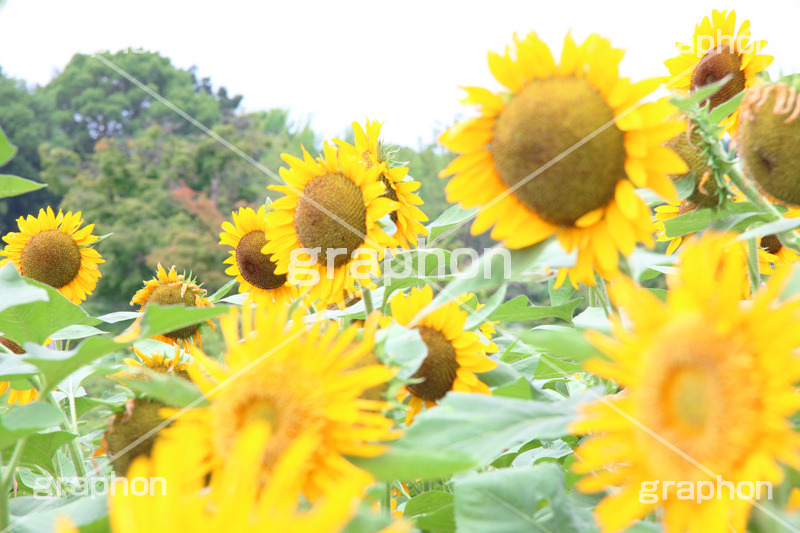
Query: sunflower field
{"x":358,"y":371}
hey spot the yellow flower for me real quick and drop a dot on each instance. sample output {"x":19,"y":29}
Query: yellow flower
{"x":454,"y":355}
{"x":21,"y":397}
{"x":236,"y":498}
{"x":301,"y":382}
{"x":708,"y":389}
{"x":52,"y":250}
{"x":157,"y":362}
{"x":254,"y":271}
{"x":562,"y":153}
{"x":717,"y":50}
{"x":171,"y":288}
{"x":332,"y":205}
{"x":407,"y":218}
{"x":772,"y":252}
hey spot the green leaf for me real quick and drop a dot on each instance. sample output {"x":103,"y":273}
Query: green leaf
{"x":520,"y":389}
{"x":403,"y":463}
{"x":510,"y":500}
{"x":475,"y":319}
{"x":34,"y":322}
{"x":220,"y":294}
{"x":31,"y":514}
{"x":7,"y":150}
{"x":40,"y":450}
{"x":121,"y":316}
{"x":699,"y":219}
{"x":172,"y":390}
{"x":432,"y":511}
{"x":57,"y":365}
{"x":15,"y":289}
{"x":158,"y":320}
{"x":14,"y":186}
{"x":482,"y":426}
{"x":685,"y":186}
{"x":725,"y":109}
{"x":550,"y":367}
{"x":27,"y":419}
{"x":561,"y":341}
{"x":76,"y":332}
{"x":84,"y":404}
{"x":560,"y":295}
{"x":696,"y":98}
{"x":449,"y":219}
{"x":771,"y":228}
{"x":520,"y":309}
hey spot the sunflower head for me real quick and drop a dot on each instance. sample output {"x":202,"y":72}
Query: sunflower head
{"x":454,"y":355}
{"x":303,"y":383}
{"x":328,"y":220}
{"x":561,"y":152}
{"x":127,"y":435}
{"x":23,"y":396}
{"x":156,"y":362}
{"x":400,"y":188}
{"x":690,"y":147}
{"x":769,"y":140}
{"x":171,"y":288}
{"x":718,"y":50}
{"x":708,"y":389}
{"x":53,"y":250}
{"x":254,"y":270}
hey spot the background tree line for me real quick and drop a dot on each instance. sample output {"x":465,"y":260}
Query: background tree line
{"x":138,"y":170}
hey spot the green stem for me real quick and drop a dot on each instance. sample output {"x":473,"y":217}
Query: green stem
{"x":71,"y":425}
{"x":366,"y":295}
{"x":5,"y":482}
{"x":387,"y":499}
{"x":752,"y":266}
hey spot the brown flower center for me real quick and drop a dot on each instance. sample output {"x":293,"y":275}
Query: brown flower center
{"x":525,"y":140}
{"x":51,"y":257}
{"x":257,"y":268}
{"x":771,"y":244}
{"x":686,"y":206}
{"x":714,"y":66}
{"x":439,"y":367}
{"x":315,"y":228}
{"x":171,"y":295}
{"x":12,"y":346}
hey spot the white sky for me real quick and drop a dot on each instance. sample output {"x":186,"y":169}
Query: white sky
{"x":334,"y":62}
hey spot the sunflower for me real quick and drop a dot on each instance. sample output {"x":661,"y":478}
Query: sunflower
{"x":332,"y":206}
{"x":519,"y":161}
{"x":454,"y":355}
{"x":235,"y":499}
{"x":53,"y":250}
{"x":171,"y":288}
{"x":157,"y":362}
{"x":407,"y":218}
{"x":669,"y":211}
{"x":709,"y":386}
{"x":773,"y":252}
{"x":717,"y":50}
{"x":301,"y":381}
{"x":21,"y":397}
{"x":254,"y":271}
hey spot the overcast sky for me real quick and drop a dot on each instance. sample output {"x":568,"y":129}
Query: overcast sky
{"x":338,"y":61}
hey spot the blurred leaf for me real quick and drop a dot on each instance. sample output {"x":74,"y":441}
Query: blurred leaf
{"x":725,"y":109}
{"x":771,"y":228}
{"x":432,"y":511}
{"x":696,"y":98}
{"x":114,"y":402}
{"x":520,"y":389}
{"x":561,"y":341}
{"x":509,"y":500}
{"x":404,"y":463}
{"x":27,"y":419}
{"x":170,"y":389}
{"x":57,"y":365}
{"x":560,"y":295}
{"x":121,"y":316}
{"x":76,"y":332}
{"x":404,"y":349}
{"x":14,"y":186}
{"x":482,"y":426}
{"x":158,"y":320}
{"x":700,"y":219}
{"x":31,"y":514}
{"x":220,"y":294}
{"x":476,"y":318}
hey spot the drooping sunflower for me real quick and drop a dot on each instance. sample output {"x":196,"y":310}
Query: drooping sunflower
{"x":53,"y":250}
{"x":717,"y":50}
{"x":23,"y":396}
{"x":254,"y":270}
{"x":709,"y":386}
{"x":302,"y":382}
{"x":236,"y":498}
{"x":562,"y":153}
{"x":407,"y":218}
{"x":171,"y":288}
{"x":332,"y":206}
{"x":454,"y":355}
